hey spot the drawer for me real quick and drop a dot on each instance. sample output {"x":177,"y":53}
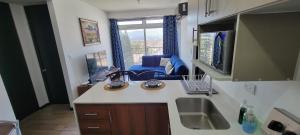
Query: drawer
{"x":93,"y":112}
{"x":96,"y":134}
{"x":94,"y":126}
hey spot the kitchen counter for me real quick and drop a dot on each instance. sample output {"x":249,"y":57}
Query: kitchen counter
{"x":173,"y":90}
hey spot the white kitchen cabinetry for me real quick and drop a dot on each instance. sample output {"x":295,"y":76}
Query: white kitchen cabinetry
{"x":266,"y":46}
{"x":192,"y":22}
{"x":246,"y":5}
{"x":210,"y":10}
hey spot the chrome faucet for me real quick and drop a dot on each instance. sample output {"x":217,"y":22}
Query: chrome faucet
{"x":210,"y":91}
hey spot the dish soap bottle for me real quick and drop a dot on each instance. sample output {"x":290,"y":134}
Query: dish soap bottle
{"x":243,"y":110}
{"x":249,"y":121}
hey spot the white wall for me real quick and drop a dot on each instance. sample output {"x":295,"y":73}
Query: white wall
{"x":297,"y":70}
{"x":268,"y":95}
{"x":27,"y":45}
{"x":6,"y":110}
{"x":141,"y":13}
{"x":185,"y":47}
{"x":65,"y":16}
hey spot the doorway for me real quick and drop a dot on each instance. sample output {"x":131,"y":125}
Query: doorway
{"x":45,"y":46}
{"x":13,"y":67}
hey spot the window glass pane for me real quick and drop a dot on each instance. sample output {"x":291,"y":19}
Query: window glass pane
{"x":154,"y":38}
{"x":129,"y":22}
{"x":151,"y":21}
{"x":133,"y":46}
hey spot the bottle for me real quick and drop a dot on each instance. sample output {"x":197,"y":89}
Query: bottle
{"x":249,"y":121}
{"x":243,"y":110}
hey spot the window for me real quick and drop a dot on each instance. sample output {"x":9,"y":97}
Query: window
{"x":139,"y":38}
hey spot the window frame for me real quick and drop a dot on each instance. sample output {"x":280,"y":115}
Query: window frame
{"x":143,"y":26}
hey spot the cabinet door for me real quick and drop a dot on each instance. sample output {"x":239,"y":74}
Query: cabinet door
{"x":157,"y":119}
{"x":128,"y":120}
{"x":210,"y":10}
{"x":202,"y":8}
{"x":216,"y":9}
{"x":244,"y":5}
{"x":224,"y":8}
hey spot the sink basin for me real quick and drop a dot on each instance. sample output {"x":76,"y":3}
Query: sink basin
{"x":200,"y":113}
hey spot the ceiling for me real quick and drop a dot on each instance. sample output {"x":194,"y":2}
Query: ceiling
{"x":129,"y":5}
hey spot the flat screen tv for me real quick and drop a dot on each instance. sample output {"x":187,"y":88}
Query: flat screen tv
{"x":97,"y":65}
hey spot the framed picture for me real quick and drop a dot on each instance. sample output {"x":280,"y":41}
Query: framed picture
{"x":89,"y":31}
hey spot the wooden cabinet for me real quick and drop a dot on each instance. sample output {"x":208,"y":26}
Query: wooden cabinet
{"x":123,"y":119}
{"x":157,"y":119}
{"x":128,"y":119}
{"x":94,"y":119}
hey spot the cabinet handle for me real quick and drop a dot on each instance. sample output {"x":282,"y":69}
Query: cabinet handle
{"x":93,"y":127}
{"x":109,"y":117}
{"x":206,"y":8}
{"x":194,"y":34}
{"x":90,"y":114}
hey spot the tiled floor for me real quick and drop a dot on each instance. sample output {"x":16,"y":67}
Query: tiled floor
{"x":51,"y":120}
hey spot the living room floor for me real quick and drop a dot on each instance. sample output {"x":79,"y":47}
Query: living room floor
{"x":52,"y":120}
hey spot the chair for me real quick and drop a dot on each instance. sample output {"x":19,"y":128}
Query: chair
{"x":150,"y":74}
{"x":125,"y":75}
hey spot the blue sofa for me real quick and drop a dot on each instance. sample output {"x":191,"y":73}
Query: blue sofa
{"x":152,"y":63}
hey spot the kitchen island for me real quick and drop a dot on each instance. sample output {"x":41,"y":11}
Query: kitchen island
{"x":141,"y":99}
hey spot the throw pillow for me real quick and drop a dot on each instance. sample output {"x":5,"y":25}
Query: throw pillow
{"x":169,"y":68}
{"x":164,"y":61}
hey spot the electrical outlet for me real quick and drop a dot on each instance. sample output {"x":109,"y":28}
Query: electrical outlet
{"x":251,"y":88}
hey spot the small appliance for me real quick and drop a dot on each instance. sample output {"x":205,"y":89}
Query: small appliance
{"x":216,"y":50}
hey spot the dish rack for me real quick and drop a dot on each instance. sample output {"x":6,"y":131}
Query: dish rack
{"x":198,"y":84}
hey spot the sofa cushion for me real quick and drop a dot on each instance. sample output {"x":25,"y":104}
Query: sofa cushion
{"x":164,"y":61}
{"x":152,"y":61}
{"x":169,"y":68}
{"x":179,"y":66}
{"x":140,"y":68}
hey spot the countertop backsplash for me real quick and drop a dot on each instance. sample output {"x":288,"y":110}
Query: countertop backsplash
{"x":269,"y":94}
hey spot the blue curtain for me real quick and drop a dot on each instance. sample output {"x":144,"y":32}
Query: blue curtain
{"x":117,"y":52}
{"x":170,"y":44}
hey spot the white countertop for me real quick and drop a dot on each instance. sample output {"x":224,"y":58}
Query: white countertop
{"x":173,"y":90}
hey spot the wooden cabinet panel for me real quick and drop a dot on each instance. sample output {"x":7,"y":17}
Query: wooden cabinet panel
{"x":94,"y":126}
{"x":138,"y":121}
{"x":120,"y":120}
{"x":123,"y":119}
{"x":157,"y":119}
{"x":128,"y":120}
{"x":91,"y":112}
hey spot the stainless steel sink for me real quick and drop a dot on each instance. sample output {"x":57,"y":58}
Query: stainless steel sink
{"x":200,"y":113}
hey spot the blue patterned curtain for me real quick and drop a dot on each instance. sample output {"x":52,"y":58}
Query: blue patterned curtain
{"x":117,"y":52}
{"x":170,"y":44}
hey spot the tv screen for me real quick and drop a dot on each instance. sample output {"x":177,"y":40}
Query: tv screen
{"x":96,"y":63}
